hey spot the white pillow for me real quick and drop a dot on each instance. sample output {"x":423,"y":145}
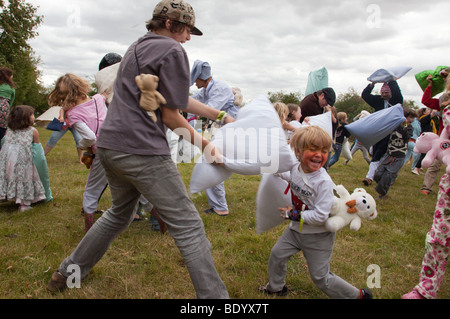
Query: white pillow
{"x":104,"y":79}
{"x":373,"y":128}
{"x":254,"y":144}
{"x":387,"y":75}
{"x":269,"y":198}
{"x":205,"y":176}
{"x":324,"y":121}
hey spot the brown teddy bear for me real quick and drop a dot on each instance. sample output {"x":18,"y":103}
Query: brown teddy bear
{"x":150,"y":98}
{"x":88,"y":157}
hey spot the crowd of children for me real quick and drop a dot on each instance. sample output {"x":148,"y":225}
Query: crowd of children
{"x":311,"y":146}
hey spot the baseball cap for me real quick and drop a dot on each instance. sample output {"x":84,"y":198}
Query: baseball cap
{"x":330,"y":96}
{"x":109,"y":59}
{"x":177,"y":10}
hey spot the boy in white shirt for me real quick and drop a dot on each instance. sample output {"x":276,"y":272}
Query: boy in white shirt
{"x":312,"y":198}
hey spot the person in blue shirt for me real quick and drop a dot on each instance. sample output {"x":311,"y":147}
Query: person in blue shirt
{"x":219,"y":95}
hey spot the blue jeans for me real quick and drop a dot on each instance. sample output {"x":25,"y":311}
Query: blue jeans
{"x":410,"y":152}
{"x":336,"y":155}
{"x":158,"y":180}
{"x":57,"y":135}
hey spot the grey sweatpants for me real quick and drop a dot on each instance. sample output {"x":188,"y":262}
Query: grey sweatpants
{"x":317,"y":249}
{"x":216,"y":197}
{"x":158,"y":180}
{"x":95,"y":186}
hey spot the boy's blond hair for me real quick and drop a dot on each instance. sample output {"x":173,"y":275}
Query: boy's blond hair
{"x":69,"y":89}
{"x":342,"y":117}
{"x":282,"y":110}
{"x":308,"y":136}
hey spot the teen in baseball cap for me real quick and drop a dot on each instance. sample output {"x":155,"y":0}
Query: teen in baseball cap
{"x":176,"y":10}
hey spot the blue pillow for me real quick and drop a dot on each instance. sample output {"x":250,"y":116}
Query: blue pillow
{"x":376,"y":126}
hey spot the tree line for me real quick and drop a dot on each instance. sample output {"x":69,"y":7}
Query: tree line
{"x":18,"y":25}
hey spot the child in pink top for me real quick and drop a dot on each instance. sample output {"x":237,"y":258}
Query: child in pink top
{"x":86,"y":116}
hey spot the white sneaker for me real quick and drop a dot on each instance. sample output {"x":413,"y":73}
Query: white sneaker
{"x":24,"y":208}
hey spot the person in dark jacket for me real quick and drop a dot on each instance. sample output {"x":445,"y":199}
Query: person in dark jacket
{"x":392,"y":162}
{"x":390,"y":95}
{"x":317,"y":103}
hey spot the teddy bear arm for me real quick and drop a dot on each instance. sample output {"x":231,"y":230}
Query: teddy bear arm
{"x":342,"y":191}
{"x":355,"y":224}
{"x":334,"y":223}
{"x":160,"y":98}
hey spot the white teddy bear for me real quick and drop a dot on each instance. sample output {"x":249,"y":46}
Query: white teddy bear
{"x":350,"y":209}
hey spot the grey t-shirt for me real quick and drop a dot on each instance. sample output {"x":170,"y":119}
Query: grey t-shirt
{"x":127,"y":127}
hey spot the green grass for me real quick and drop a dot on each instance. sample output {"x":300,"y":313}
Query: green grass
{"x":146,"y":264}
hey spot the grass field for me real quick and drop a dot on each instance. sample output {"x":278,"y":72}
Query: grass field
{"x":143,"y":264}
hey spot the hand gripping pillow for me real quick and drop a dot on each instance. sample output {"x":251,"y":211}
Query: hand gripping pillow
{"x":376,"y":126}
{"x":254,"y":144}
{"x":438,"y":81}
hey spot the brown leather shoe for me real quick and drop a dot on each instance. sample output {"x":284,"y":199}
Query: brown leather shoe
{"x":57,"y":282}
{"x":367,"y":181}
{"x":162,"y":224}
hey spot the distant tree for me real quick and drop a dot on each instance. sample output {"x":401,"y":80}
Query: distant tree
{"x":410,"y":104}
{"x":351,"y":103}
{"x":286,"y":98}
{"x":18,"y":24}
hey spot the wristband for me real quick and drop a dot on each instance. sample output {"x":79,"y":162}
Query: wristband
{"x":221,"y":117}
{"x":296,"y":216}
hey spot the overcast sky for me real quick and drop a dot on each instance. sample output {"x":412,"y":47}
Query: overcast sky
{"x":259,"y":46}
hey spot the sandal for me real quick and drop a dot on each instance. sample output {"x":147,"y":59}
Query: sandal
{"x":213,"y":211}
